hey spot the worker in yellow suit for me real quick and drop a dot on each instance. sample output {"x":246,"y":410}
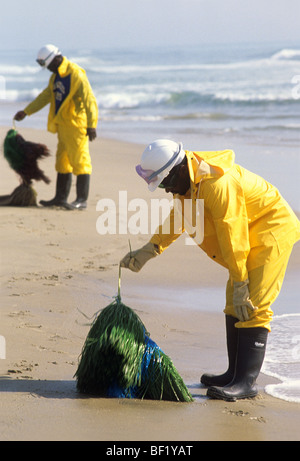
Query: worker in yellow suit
{"x":248,"y":228}
{"x":73,"y":115}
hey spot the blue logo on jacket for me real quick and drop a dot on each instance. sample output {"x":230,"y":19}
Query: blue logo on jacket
{"x":61,"y":89}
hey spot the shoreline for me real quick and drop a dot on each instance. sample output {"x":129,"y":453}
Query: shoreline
{"x":55,"y":265}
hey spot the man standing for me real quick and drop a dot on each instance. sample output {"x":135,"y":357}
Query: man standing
{"x":248,"y":228}
{"x":73,"y":115}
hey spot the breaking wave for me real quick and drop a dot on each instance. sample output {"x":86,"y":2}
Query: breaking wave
{"x":282,"y":359}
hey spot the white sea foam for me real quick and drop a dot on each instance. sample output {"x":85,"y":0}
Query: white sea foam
{"x":288,"y":390}
{"x":21,"y":95}
{"x":6,"y":69}
{"x":282,"y":359}
{"x":103,"y":67}
{"x":122,"y":100}
{"x":287,"y":54}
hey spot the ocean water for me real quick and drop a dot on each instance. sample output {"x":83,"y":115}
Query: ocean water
{"x":211,"y":90}
{"x":244,"y":97}
{"x":282,"y":359}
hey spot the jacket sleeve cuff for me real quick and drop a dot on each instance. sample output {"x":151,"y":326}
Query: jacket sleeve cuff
{"x":155,"y":240}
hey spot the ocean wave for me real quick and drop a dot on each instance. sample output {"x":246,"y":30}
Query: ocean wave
{"x":18,"y":70}
{"x":127,"y":100}
{"x":287,"y":54}
{"x":271,"y":127}
{"x":282,"y":359}
{"x":141,"y":98}
{"x":256,"y":97}
{"x":184,"y":99}
{"x":239,"y":92}
{"x":124,"y":101}
{"x":168,"y":68}
{"x":130,"y":118}
{"x":117,"y":116}
{"x":94,"y":64}
{"x":12,"y":95}
{"x":100,"y":66}
{"x":288,"y":391}
{"x":108,"y":114}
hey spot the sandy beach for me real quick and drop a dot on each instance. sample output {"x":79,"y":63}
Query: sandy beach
{"x":55,"y":267}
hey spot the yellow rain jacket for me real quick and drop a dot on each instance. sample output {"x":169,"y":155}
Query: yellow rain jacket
{"x":73,"y":109}
{"x":79,"y":105}
{"x":246,"y":221}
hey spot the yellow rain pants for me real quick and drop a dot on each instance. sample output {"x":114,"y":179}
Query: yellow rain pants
{"x":72,"y":155}
{"x":73,"y":109}
{"x":264,"y":286}
{"x":248,"y":227}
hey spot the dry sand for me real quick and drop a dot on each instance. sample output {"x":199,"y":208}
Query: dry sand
{"x":54,"y":265}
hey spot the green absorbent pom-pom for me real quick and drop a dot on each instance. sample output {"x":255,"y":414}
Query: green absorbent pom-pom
{"x":113,"y":350}
{"x":160,"y":379}
{"x":23,"y":157}
{"x":13,"y":151}
{"x":120,"y":360}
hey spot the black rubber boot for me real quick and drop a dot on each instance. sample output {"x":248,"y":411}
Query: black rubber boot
{"x":231,"y":339}
{"x":82,"y":191}
{"x":63,"y":187}
{"x":250,"y":356}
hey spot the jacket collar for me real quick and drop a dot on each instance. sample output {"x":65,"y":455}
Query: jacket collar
{"x":214,"y":163}
{"x":63,"y":68}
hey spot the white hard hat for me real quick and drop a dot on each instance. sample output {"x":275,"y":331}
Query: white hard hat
{"x":157,"y":161}
{"x":46,"y":55}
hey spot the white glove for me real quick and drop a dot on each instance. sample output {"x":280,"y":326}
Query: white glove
{"x":135,"y":260}
{"x":241,"y":301}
